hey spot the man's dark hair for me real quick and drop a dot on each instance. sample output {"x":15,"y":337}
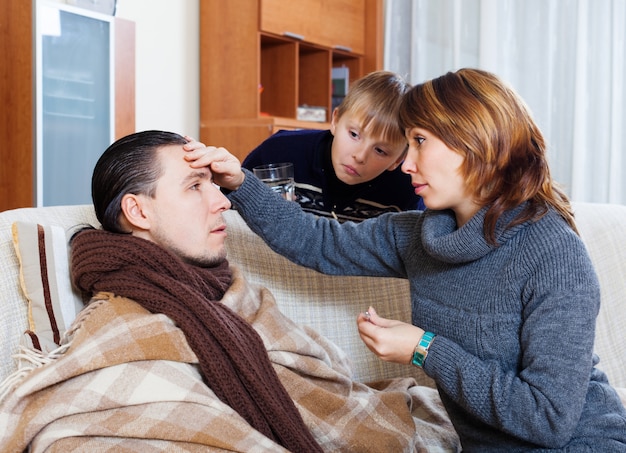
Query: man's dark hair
{"x":129,"y":165}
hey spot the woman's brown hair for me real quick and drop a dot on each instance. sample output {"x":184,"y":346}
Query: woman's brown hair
{"x":474,"y":113}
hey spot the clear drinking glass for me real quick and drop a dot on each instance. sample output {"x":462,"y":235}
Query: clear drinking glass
{"x":279,"y":177}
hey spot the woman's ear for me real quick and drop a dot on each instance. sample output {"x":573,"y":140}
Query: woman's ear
{"x":134,"y":210}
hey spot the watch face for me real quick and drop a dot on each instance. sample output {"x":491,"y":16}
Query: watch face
{"x":418,"y":359}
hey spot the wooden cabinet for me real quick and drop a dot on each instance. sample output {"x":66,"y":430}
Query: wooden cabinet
{"x":343,"y":26}
{"x":337,"y":24}
{"x":18,"y":98}
{"x":300,"y":19}
{"x":262,"y":59}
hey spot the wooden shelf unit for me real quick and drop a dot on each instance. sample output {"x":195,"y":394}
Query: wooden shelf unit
{"x":262,"y":59}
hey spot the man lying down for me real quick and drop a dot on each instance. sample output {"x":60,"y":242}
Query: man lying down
{"x":177,"y":352}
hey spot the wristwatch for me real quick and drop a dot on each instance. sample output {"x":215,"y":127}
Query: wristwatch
{"x":421,"y":350}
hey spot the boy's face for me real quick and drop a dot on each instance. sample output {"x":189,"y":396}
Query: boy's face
{"x":357,"y":156}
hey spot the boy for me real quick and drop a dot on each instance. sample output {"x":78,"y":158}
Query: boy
{"x":352,"y":171}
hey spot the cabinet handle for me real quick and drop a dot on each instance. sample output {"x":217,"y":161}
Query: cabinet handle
{"x":344,"y":48}
{"x":293,"y":35}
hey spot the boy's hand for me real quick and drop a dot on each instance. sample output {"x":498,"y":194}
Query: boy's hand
{"x":225,"y":167}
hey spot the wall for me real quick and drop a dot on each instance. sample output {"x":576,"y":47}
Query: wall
{"x":167,"y":66}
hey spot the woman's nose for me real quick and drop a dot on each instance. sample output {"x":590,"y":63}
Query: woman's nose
{"x":408,"y":165}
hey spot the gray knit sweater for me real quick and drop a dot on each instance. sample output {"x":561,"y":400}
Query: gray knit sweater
{"x":513,"y":358}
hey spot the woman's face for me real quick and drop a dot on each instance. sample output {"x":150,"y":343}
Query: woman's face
{"x":435,"y":172}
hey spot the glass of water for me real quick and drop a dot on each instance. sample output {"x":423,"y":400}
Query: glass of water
{"x":279,"y":177}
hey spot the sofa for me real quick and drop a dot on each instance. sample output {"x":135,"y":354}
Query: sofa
{"x":328,"y":304}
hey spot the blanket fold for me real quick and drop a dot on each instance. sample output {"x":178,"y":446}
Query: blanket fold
{"x":129,"y":381}
{"x":231,"y":356}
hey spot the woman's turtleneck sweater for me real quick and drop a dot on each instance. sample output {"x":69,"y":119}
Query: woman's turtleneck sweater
{"x":515,"y":323}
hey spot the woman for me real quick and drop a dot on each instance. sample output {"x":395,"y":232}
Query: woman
{"x":503,"y":292}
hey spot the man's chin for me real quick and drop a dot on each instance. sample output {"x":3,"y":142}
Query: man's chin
{"x":206,"y":261}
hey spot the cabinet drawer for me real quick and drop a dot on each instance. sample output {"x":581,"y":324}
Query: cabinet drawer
{"x":299,"y":19}
{"x":331,"y":23}
{"x":343,"y":24}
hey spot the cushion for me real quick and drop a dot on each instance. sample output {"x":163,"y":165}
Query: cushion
{"x":602,"y":229}
{"x":13,"y":315}
{"x":42,"y":253}
{"x":328,"y":304}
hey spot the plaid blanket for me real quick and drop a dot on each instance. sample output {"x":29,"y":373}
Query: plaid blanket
{"x":126,"y":381}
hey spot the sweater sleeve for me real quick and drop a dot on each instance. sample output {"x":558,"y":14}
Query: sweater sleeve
{"x":316,"y":242}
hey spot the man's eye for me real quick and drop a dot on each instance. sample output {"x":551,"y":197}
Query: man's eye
{"x":195,"y":186}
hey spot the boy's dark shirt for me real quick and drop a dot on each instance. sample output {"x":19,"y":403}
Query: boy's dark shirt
{"x":318,"y":190}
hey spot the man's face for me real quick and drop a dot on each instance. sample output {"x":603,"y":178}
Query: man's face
{"x":185,"y":215}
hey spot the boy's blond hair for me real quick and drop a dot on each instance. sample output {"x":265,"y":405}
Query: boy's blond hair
{"x":374,"y":100}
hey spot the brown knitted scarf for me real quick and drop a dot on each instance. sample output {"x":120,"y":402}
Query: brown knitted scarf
{"x":233,"y":359}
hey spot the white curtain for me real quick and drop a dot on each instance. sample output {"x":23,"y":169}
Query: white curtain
{"x":566,"y":58}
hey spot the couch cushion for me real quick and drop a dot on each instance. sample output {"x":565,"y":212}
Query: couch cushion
{"x":13,"y":315}
{"x":42,"y":251}
{"x":329,"y":304}
{"x":603,"y":229}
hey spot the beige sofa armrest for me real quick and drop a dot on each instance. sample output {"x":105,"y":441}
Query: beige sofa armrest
{"x":603,"y":229}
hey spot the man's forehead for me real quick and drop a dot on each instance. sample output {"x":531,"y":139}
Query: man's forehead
{"x":172,"y":149}
{"x":174,"y":162}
